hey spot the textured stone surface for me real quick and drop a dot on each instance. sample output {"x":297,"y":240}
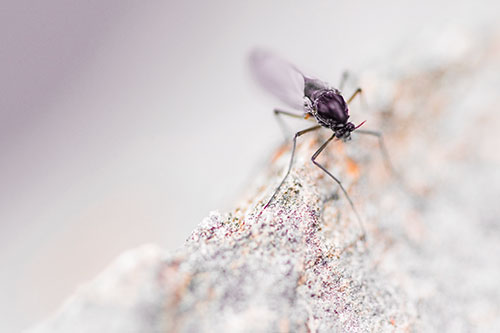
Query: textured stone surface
{"x":430,"y":262}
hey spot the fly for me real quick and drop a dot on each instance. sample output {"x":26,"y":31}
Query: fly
{"x":314,"y":98}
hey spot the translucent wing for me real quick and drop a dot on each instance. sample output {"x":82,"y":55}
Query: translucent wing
{"x":281,"y":78}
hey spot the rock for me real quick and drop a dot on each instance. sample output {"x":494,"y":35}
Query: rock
{"x":430,"y":259}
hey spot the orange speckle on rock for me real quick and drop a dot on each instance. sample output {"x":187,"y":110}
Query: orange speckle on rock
{"x":302,"y":280}
{"x":278,"y":153}
{"x":313,"y":142}
{"x":352,"y":167}
{"x":339,"y":148}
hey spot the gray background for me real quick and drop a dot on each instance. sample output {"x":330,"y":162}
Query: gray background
{"x":125,"y":122}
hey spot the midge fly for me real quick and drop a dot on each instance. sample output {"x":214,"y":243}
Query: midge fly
{"x":315,"y":99}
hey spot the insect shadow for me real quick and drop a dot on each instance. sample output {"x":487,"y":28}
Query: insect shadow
{"x":317,"y":101}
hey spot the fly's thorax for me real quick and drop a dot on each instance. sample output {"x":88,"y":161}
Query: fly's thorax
{"x":328,"y":107}
{"x":313,"y":86}
{"x":331,"y":106}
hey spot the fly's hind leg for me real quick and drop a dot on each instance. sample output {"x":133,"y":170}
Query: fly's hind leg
{"x":279,"y":113}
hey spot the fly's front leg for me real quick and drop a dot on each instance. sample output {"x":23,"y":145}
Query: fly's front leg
{"x":313,"y":158}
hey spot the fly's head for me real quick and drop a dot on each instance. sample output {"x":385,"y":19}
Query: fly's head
{"x":343,"y":131}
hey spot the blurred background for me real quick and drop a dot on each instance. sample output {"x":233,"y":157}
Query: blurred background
{"x":126,"y":122}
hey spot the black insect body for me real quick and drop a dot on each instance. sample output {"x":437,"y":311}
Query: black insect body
{"x":314,"y":98}
{"x":330,"y":110}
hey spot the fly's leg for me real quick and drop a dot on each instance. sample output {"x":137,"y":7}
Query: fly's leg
{"x":343,"y":79}
{"x":383,"y":149}
{"x":389,"y":166}
{"x":278,"y":113}
{"x":358,"y":91}
{"x":310,"y":129}
{"x":313,"y":158}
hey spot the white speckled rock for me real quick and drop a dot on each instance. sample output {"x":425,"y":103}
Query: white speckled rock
{"x":430,"y":262}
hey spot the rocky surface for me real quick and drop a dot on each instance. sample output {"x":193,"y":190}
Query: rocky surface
{"x":430,"y":260}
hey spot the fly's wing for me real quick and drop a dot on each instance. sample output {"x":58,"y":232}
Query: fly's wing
{"x":281,"y":78}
